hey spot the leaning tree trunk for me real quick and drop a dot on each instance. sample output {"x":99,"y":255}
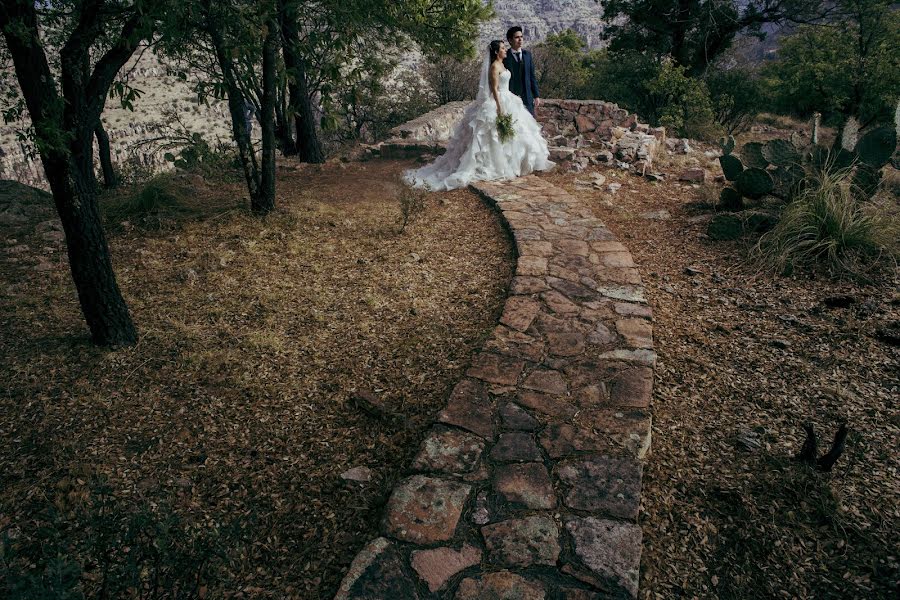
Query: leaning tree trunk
{"x":69,"y":166}
{"x":109,"y":174}
{"x":264,"y":202}
{"x":309,"y":148}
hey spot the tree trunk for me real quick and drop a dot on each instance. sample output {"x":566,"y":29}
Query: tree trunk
{"x":264,"y":202}
{"x":69,"y":168}
{"x":109,"y":174}
{"x":283,"y":123}
{"x":235,"y":104}
{"x":309,"y":148}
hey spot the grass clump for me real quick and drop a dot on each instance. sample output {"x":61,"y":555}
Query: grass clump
{"x":827,"y":227}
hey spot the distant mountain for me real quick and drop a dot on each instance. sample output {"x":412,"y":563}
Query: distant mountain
{"x":539,"y":18}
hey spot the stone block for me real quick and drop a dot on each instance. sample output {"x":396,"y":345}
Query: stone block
{"x":449,"y":451}
{"x":501,"y":585}
{"x":522,"y":542}
{"x":469,"y":408}
{"x":438,"y":565}
{"x":425,"y":510}
{"x":526,"y":484}
{"x":516,"y":446}
{"x":377,"y":572}
{"x":611,"y":552}
{"x":606,"y":485}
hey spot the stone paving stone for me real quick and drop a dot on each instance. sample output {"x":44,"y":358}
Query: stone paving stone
{"x":573,"y":247}
{"x":601,"y":431}
{"x":519,"y":312}
{"x":565,"y":344}
{"x":555,"y":406}
{"x":449,"y":451}
{"x":637,"y":310}
{"x":437,"y":565}
{"x":377,"y":572}
{"x":629,"y":293}
{"x":602,"y":277}
{"x":546,"y":323}
{"x":616,"y":259}
{"x":601,"y":335}
{"x":515,"y":344}
{"x":571,"y":290}
{"x":501,"y":585}
{"x":527,"y":484}
{"x":632,"y":388}
{"x":514,"y":417}
{"x":469,"y":408}
{"x":640,"y":356}
{"x":638,"y":333}
{"x":547,"y":381}
{"x":496,"y":369}
{"x":564,"y":273}
{"x":534,"y":266}
{"x":558,"y":303}
{"x":527,"y":285}
{"x":544,"y":249}
{"x":425,"y":510}
{"x":607,"y":485}
{"x":610,"y":550}
{"x":522,"y":542}
{"x":515,"y":446}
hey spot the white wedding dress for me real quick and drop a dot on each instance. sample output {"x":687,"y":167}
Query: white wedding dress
{"x":475,"y":152}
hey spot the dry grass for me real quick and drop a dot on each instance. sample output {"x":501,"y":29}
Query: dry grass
{"x":229,"y":422}
{"x":744,"y":360}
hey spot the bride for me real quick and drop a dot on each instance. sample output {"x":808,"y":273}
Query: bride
{"x":475,"y":151}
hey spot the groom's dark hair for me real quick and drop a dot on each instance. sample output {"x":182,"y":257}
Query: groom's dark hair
{"x":512,"y":31}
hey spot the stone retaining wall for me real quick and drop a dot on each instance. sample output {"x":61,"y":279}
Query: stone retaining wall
{"x":579,"y":132}
{"x":528,"y":485}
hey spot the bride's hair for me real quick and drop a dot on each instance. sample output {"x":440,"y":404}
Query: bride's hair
{"x":494,"y":49}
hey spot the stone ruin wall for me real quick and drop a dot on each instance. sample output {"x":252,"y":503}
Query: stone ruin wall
{"x":580,"y":133}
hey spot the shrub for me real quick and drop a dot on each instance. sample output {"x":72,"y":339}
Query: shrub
{"x":839,"y":71}
{"x":680,"y":102}
{"x":561,"y":65}
{"x":659,"y":91}
{"x":736,"y":97}
{"x":412,"y":203}
{"x":452,"y":80}
{"x":827,"y":227}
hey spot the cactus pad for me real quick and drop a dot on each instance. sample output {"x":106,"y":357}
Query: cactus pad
{"x":731,"y":166}
{"x":866,"y":180}
{"x":781,"y":153}
{"x":876,"y":147}
{"x":730,"y":199}
{"x":727,"y":144}
{"x":753,"y":156}
{"x":754,"y":183}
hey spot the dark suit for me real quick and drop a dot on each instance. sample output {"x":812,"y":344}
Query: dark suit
{"x":522,"y":83}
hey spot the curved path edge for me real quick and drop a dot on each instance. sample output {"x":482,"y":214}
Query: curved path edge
{"x":528,"y":485}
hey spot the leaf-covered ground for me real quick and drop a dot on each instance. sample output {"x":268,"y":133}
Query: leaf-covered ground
{"x":745,"y":358}
{"x":206,"y":460}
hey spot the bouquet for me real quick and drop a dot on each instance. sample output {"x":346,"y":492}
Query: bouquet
{"x":505,"y":127}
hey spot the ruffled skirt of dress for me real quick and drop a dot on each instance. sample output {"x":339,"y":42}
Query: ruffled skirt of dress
{"x":475,"y":152}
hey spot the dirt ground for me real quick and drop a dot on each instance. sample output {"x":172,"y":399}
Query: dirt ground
{"x":745,"y":358}
{"x":207,"y":459}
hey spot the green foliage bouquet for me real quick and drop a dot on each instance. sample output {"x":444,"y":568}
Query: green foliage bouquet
{"x":505,"y":127}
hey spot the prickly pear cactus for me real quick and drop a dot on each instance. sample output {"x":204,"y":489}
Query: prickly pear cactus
{"x":731,"y":199}
{"x":754,"y":183}
{"x":781,"y":153}
{"x":753,"y":157}
{"x":876,"y":147}
{"x":731,"y":166}
{"x":866,"y":180}
{"x":727,"y":144}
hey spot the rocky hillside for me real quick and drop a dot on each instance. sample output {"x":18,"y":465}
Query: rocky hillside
{"x":539,"y":18}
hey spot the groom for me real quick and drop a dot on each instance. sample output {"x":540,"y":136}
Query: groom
{"x":522,"y":81}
